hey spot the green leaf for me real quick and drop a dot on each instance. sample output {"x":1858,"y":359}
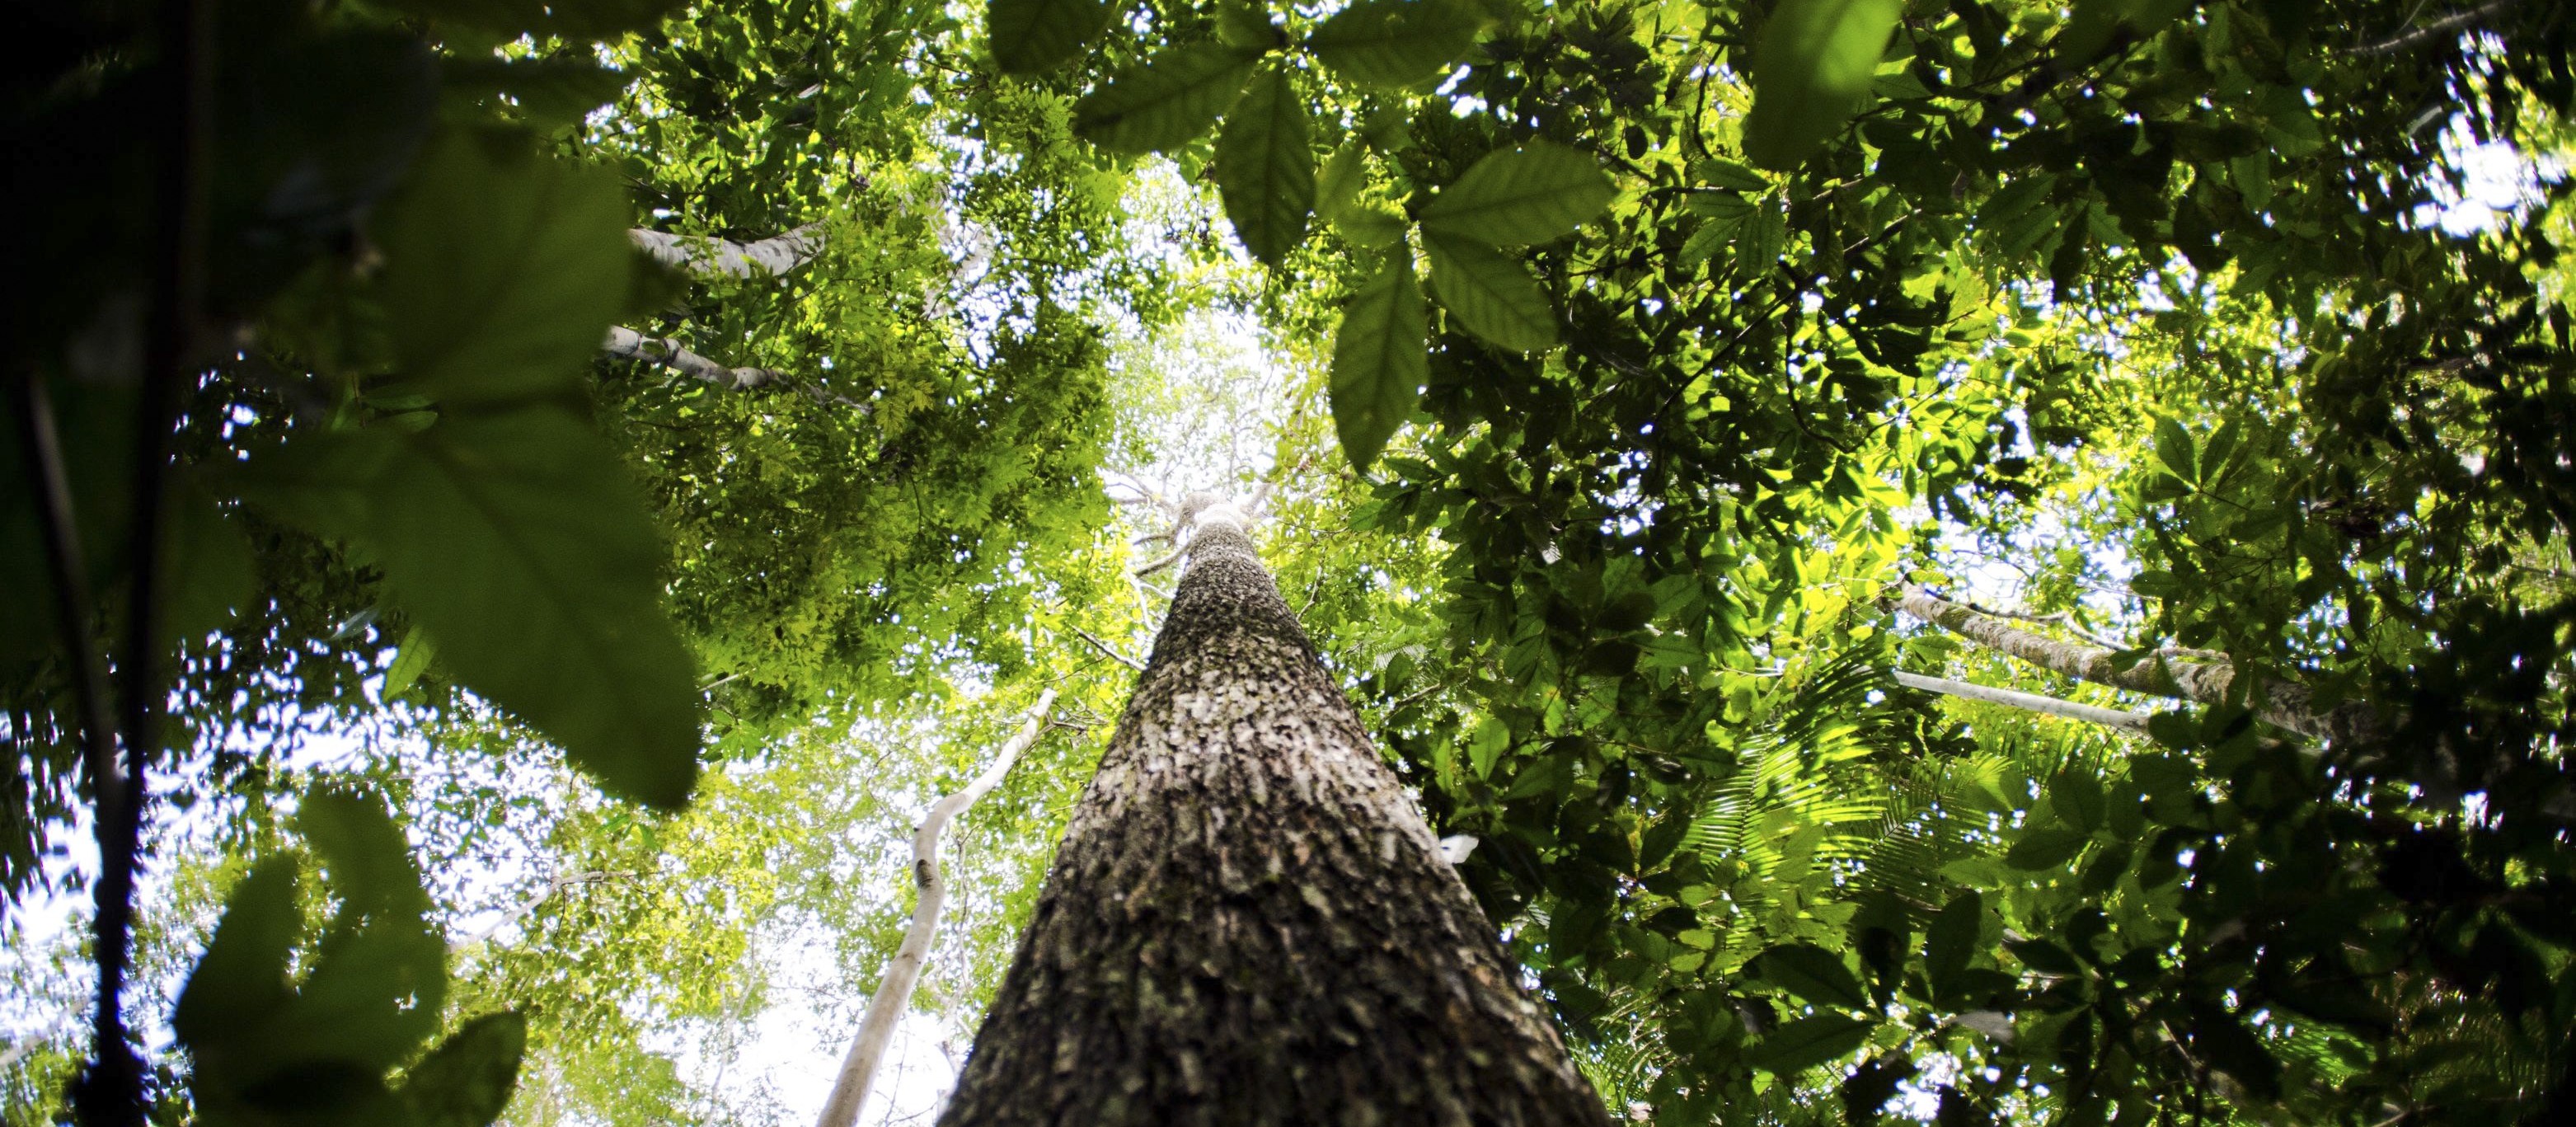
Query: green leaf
{"x":1167,"y":101}
{"x":2173,"y":448}
{"x":2076,"y":795}
{"x":1812,"y":973}
{"x":1731,"y":175}
{"x":1950,"y":940}
{"x":1345,"y":173}
{"x":1531,"y":194}
{"x":1029,"y":36}
{"x":503,"y":269}
{"x":241,"y":978}
{"x":1379,"y":363}
{"x":1492,"y":295}
{"x":466,"y":1081}
{"x":1392,"y":44}
{"x":1371,"y":227}
{"x":1264,"y":169}
{"x":1808,"y":1042}
{"x":1246,"y":23}
{"x":1810,"y":71}
{"x":517,"y":541}
{"x":410,"y":662}
{"x":364,"y":857}
{"x":2043,"y":849}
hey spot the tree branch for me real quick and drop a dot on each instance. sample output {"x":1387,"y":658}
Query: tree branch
{"x":1103,"y":647}
{"x":2283,"y":703}
{"x":628,"y":344}
{"x":708,"y":256}
{"x":894,"y":993}
{"x":2027,"y":702}
{"x":2453,"y":22}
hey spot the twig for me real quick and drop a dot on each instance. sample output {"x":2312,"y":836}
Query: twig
{"x":1103,"y":647}
{"x":2452,"y":22}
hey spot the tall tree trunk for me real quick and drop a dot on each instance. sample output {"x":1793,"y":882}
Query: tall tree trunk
{"x":1248,"y":923}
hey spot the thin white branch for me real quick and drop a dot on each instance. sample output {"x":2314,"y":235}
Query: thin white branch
{"x":708,"y":256}
{"x":894,"y":993}
{"x":2027,"y":702}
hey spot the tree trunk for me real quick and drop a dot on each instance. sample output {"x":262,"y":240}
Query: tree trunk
{"x":1248,"y":923}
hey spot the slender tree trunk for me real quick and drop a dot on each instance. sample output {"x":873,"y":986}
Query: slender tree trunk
{"x":1248,"y":923}
{"x":894,"y":992}
{"x":708,"y":256}
{"x":2283,"y":703}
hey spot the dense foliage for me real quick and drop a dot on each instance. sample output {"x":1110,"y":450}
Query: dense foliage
{"x":2114,"y":351}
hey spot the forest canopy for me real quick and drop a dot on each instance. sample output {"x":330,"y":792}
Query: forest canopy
{"x":1949,"y":561}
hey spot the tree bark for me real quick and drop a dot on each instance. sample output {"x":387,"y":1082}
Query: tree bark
{"x":2027,"y":702}
{"x":1248,"y":923}
{"x":894,"y":992}
{"x":2284,"y":703}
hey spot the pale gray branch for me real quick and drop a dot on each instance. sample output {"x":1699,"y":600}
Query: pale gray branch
{"x":2447,"y":24}
{"x":1103,"y":647}
{"x":708,"y":256}
{"x":894,"y":992}
{"x":2027,"y":702}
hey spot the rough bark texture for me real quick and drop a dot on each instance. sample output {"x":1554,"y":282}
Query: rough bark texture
{"x":1248,"y":923}
{"x":2283,"y":703}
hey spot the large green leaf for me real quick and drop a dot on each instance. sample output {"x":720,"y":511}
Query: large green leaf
{"x":1379,"y":362}
{"x":241,"y":978}
{"x":466,"y":1080}
{"x":1029,"y":36}
{"x":503,"y":269}
{"x":1393,"y":44}
{"x":517,"y":542}
{"x":1808,"y":1042}
{"x":1492,"y":295}
{"x":1345,"y":173}
{"x":1810,"y":70}
{"x":1812,"y":973}
{"x":1265,"y":169}
{"x":1167,"y":101}
{"x":1512,"y":197}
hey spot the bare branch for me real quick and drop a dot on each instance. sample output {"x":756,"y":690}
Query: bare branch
{"x":2450,"y":23}
{"x":628,"y":344}
{"x":2027,"y":702}
{"x":894,"y":992}
{"x":1103,"y":647}
{"x":707,"y":256}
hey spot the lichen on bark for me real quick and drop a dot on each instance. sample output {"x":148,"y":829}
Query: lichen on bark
{"x":1248,"y":922}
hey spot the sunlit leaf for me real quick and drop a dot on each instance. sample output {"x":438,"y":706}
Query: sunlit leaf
{"x":1379,"y":362}
{"x":1810,"y":70}
{"x":1167,"y":101}
{"x":1264,"y":168}
{"x":1391,"y":44}
{"x":1029,"y":36}
{"x":1531,"y":194}
{"x":1491,"y":294}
